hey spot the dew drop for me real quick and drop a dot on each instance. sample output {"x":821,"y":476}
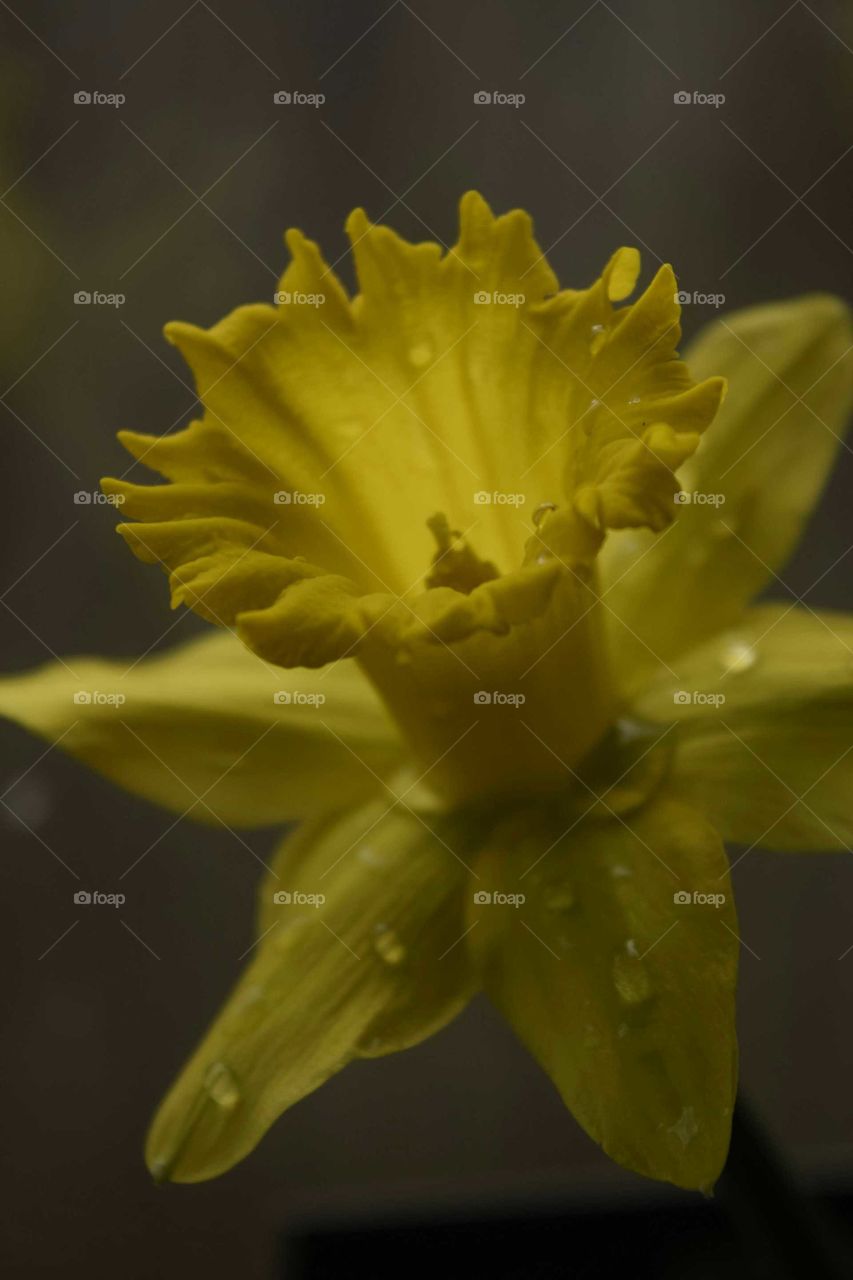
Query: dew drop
{"x":622,"y":1030}
{"x":370,"y":856}
{"x":631,"y":978}
{"x":686,"y":1126}
{"x":544,"y":557}
{"x":598,"y":337}
{"x":388,"y":946}
{"x":420,"y":354}
{"x":620,"y":871}
{"x":738,"y":655}
{"x":635,"y":400}
{"x":559,"y":897}
{"x":541,"y":512}
{"x":220,"y":1086}
{"x":631,"y":948}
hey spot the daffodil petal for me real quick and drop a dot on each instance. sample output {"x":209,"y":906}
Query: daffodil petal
{"x":357,"y":957}
{"x":209,"y":731}
{"x":749,"y":488}
{"x":622,"y":990}
{"x":763,"y":740}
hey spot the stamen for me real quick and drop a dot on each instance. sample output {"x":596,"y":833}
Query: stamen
{"x":454,"y":563}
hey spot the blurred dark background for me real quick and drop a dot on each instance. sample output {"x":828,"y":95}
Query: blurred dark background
{"x":178,"y":199}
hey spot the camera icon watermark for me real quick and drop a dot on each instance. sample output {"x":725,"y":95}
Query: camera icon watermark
{"x":495,"y":298}
{"x":496,"y":98}
{"x":296,"y":498}
{"x":497,"y":698}
{"x":484,"y":898}
{"x":682,"y":898}
{"x":288,"y":698}
{"x":94,"y":498}
{"x":483,"y":498}
{"x":294,"y":298}
{"x":296,"y":98}
{"x":97,"y":698}
{"x":286,"y":898}
{"x":83,"y":898}
{"x":684,"y":698}
{"x":683,"y":98}
{"x":96,"y":298}
{"x":688,"y":498}
{"x":684,"y":298}
{"x":84,"y":98}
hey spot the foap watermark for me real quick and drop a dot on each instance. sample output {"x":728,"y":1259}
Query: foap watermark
{"x":484,"y":698}
{"x":684,"y":298}
{"x":684,"y":698}
{"x":484,"y":498}
{"x":296,"y":898}
{"x":295,"y":497}
{"x":95,"y":98}
{"x":296,"y":98}
{"x":85,"y":898}
{"x":294,"y":298}
{"x":697,"y":98}
{"x":97,"y":298}
{"x":497,"y":98}
{"x":294,"y":698}
{"x":693,"y":498}
{"x":94,"y":498}
{"x":494,"y":298}
{"x":682,"y":898}
{"x":98,"y":698}
{"x":487,"y":898}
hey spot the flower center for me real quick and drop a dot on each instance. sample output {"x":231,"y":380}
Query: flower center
{"x":454,"y":563}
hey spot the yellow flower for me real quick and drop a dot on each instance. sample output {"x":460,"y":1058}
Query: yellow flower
{"x":522,"y":708}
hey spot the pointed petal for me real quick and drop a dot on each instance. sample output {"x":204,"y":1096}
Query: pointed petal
{"x":764,"y":743}
{"x":754,"y":481}
{"x":370,"y":969}
{"x":624,"y":994}
{"x":210,"y":731}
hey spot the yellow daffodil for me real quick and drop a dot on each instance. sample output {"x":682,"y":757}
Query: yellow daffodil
{"x":514,"y":706}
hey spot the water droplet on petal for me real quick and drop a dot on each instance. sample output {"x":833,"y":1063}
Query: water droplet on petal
{"x":420,"y":354}
{"x":541,"y":511}
{"x":559,"y":896}
{"x":635,"y":400}
{"x":631,"y":948}
{"x":686,"y":1126}
{"x":598,"y":337}
{"x":738,"y":655}
{"x":631,"y":978}
{"x":220,"y":1086}
{"x":620,"y":872}
{"x":544,"y":557}
{"x":388,"y":946}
